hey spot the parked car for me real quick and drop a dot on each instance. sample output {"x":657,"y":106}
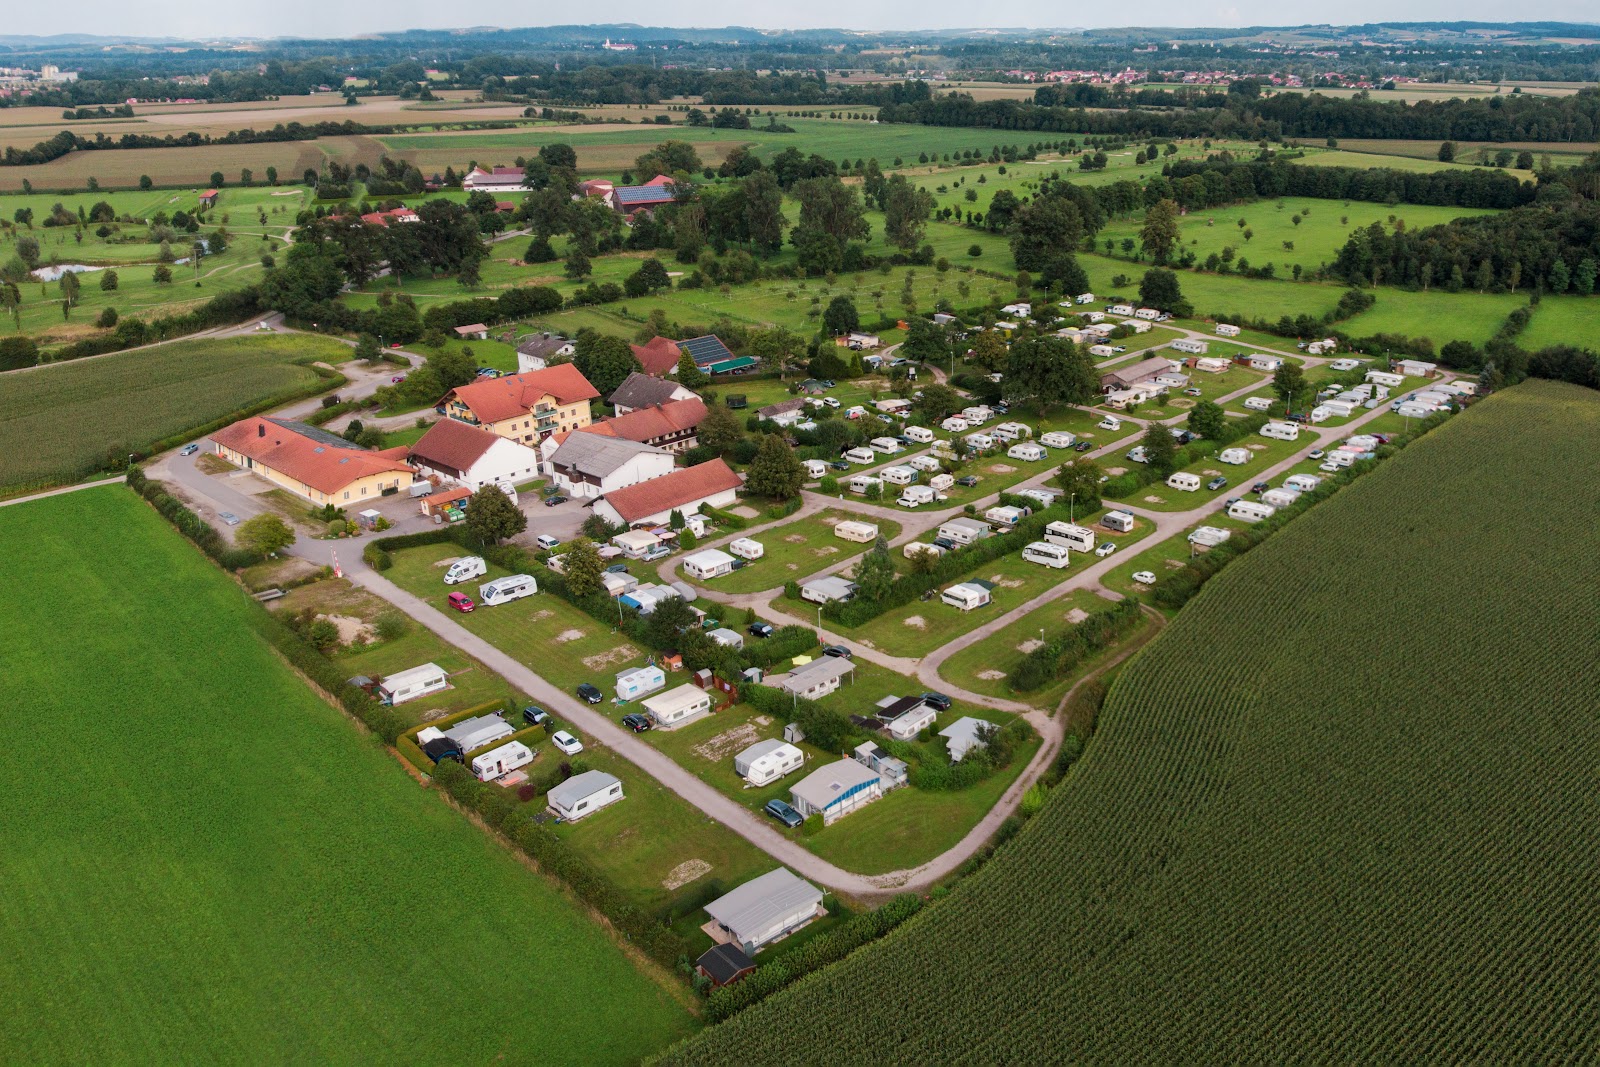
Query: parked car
{"x":546,"y":542}
{"x":552,"y":501}
{"x":1003,"y":408}
{"x":533,"y":715}
{"x":936,"y":700}
{"x":188,"y":450}
{"x":837,"y":651}
{"x":397,"y":379}
{"x":1082,"y":446}
{"x":636,"y":722}
{"x":617,"y":568}
{"x":1106,"y":548}
{"x":1144,"y":577}
{"x":839,"y":465}
{"x":461,"y":602}
{"x":1216,"y":483}
{"x":1191,"y":392}
{"x":569,"y":745}
{"x":759,"y":629}
{"x":228,"y":518}
{"x":1330,"y":466}
{"x":968,"y":480}
{"x":944,"y":543}
{"x":783,"y":813}
{"x":589,"y":694}
{"x":1316,"y":453}
{"x":1261,"y":487}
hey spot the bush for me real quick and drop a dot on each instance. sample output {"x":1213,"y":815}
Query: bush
{"x":1061,"y":655}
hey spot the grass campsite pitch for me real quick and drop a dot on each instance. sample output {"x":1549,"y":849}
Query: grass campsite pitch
{"x":230,"y":871}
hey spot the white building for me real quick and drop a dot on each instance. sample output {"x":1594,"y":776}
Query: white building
{"x":685,"y":490}
{"x":459,"y":454}
{"x":835,"y":790}
{"x":964,"y":735}
{"x":678,"y":706}
{"x":590,"y":465}
{"x":1192,"y":345}
{"x":765,"y":909}
{"x":818,"y":678}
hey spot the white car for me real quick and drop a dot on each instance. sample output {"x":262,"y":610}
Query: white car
{"x":1106,"y":548}
{"x":1330,"y":467}
{"x":1144,"y":577}
{"x":569,"y":745}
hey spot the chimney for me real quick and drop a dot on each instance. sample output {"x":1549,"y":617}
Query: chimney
{"x":261,"y":429}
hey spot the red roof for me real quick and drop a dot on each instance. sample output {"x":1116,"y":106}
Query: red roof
{"x":661,"y":179}
{"x":687,"y":485}
{"x":497,"y":399}
{"x":468,"y":331}
{"x":648,"y":424}
{"x":452,"y":445}
{"x":209,"y":192}
{"x":324,"y":467}
{"x":658,"y":356}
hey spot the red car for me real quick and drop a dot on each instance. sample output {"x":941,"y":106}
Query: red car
{"x":461,"y":602}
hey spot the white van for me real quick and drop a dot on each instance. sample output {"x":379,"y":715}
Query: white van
{"x":1281,"y":431}
{"x":465,"y":569}
{"x":1070,"y":535}
{"x":920,"y":434}
{"x":1046,"y":554}
{"x":1185,"y":481}
{"x":505,"y":590}
{"x":546,"y":542}
{"x":1110,"y":422}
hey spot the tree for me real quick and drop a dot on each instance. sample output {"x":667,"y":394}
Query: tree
{"x":720,"y":429}
{"x":1159,"y":289}
{"x":989,"y":351}
{"x":937,"y":401}
{"x":1160,"y":449}
{"x":217,"y":179}
{"x":1447,"y":151}
{"x":1207,"y":420}
{"x":1560,"y":278}
{"x":906,"y":208}
{"x":925,"y":340}
{"x":1049,"y":370}
{"x":841,"y":316}
{"x":266,"y":534}
{"x":492,"y":517}
{"x":578,"y":265}
{"x":874,"y":573}
{"x":1159,"y":235}
{"x":162,"y":275}
{"x":1288,"y":381}
{"x":776,"y":472}
{"x":668,"y":157}
{"x":1080,"y":480}
{"x":108,"y":318}
{"x":145,"y":182}
{"x":582,"y":567}
{"x":691,"y":376}
{"x":558,"y":154}
{"x":108,"y":281}
{"x":1043,"y":230}
{"x":605,"y":361}
{"x":70,"y":287}
{"x":763,"y":212}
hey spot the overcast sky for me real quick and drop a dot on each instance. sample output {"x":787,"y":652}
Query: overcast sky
{"x":320,"y":18}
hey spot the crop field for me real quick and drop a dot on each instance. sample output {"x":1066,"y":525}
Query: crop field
{"x":246,"y":875}
{"x":1467,"y":152}
{"x":1373,"y":156}
{"x":1316,"y":229}
{"x":122,"y":168}
{"x":1291,"y":800}
{"x":61,"y":420}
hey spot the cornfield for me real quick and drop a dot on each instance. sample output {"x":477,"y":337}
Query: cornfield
{"x":1344,"y":809}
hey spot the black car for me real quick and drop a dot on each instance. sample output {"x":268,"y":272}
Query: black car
{"x":551,"y":502}
{"x":617,"y":568}
{"x":783,"y":813}
{"x":533,"y":715}
{"x":944,"y":543}
{"x":1261,"y":487}
{"x":637,"y":723}
{"x":837,"y":651}
{"x":839,"y":465}
{"x":1082,"y":446}
{"x":590,"y":694}
{"x":968,"y":480}
{"x":936,"y":700}
{"x":759,"y":629}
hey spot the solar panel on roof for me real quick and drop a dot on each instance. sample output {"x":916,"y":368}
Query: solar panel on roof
{"x":643,"y":194}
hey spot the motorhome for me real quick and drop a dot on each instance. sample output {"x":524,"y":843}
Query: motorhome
{"x":499,"y":762}
{"x":463,"y":570}
{"x":1184,"y":481}
{"x":1070,"y":535}
{"x":1250,"y":511}
{"x":1047,"y":554}
{"x":1281,"y":431}
{"x":505,"y":590}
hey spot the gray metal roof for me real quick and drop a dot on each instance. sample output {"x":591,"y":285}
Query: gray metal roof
{"x":640,"y":390}
{"x":823,"y":785}
{"x":759,"y":749}
{"x":820,"y":670}
{"x":760,"y":902}
{"x":596,"y":454}
{"x":541,"y":344}
{"x":832,"y":585}
{"x":582,"y":785}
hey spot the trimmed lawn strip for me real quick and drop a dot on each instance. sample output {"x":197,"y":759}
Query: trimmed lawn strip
{"x":974,"y":667}
{"x":798,"y":550}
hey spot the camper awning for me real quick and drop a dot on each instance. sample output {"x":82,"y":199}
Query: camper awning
{"x":726,"y":365}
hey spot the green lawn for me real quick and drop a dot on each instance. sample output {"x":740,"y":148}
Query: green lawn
{"x":797,"y":550}
{"x":248,"y":877}
{"x":1227,"y":297}
{"x":1322,"y":228}
{"x":1264,"y":453}
{"x":1163,"y":556}
{"x":982,"y":667}
{"x":1562,"y":320}
{"x":62,"y":421}
{"x":1439,"y":316}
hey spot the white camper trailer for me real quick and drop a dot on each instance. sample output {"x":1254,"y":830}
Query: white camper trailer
{"x":1120,"y":521}
{"x":898,"y":475}
{"x":766,"y":761}
{"x":1027,"y":451}
{"x":887,"y":445}
{"x":920,"y":434}
{"x":414,"y":683}
{"x":708,"y":563}
{"x":584,"y":794}
{"x":1058,"y":439}
{"x":861,"y":456}
{"x":464,"y":570}
{"x":1185,"y":481}
{"x":640,"y":681}
{"x":966,"y":596}
{"x":1281,"y":431}
{"x":1303,"y":482}
{"x":1280,"y":498}
{"x":479,"y":732}
{"x":1047,"y":554}
{"x":965,"y":531}
{"x":499,"y":762}
{"x":745,"y":548}
{"x":1006,"y":515}
{"x":815,"y":468}
{"x":1069,"y":535}
{"x":505,"y":590}
{"x":678,"y":706}
{"x":1234,"y":456}
{"x":1257,"y":403}
{"x":1250,"y":511}
{"x":925,"y":463}
{"x":851,"y":530}
{"x":863,"y":484}
{"x":979,"y":442}
{"x":913,"y":549}
{"x":940,"y":483}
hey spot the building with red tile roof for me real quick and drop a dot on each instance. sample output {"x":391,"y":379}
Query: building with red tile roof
{"x":524,"y":407}
{"x":456,"y":453}
{"x":686,"y":490}
{"x":658,"y":356}
{"x":672,"y":426}
{"x":315,"y":465}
